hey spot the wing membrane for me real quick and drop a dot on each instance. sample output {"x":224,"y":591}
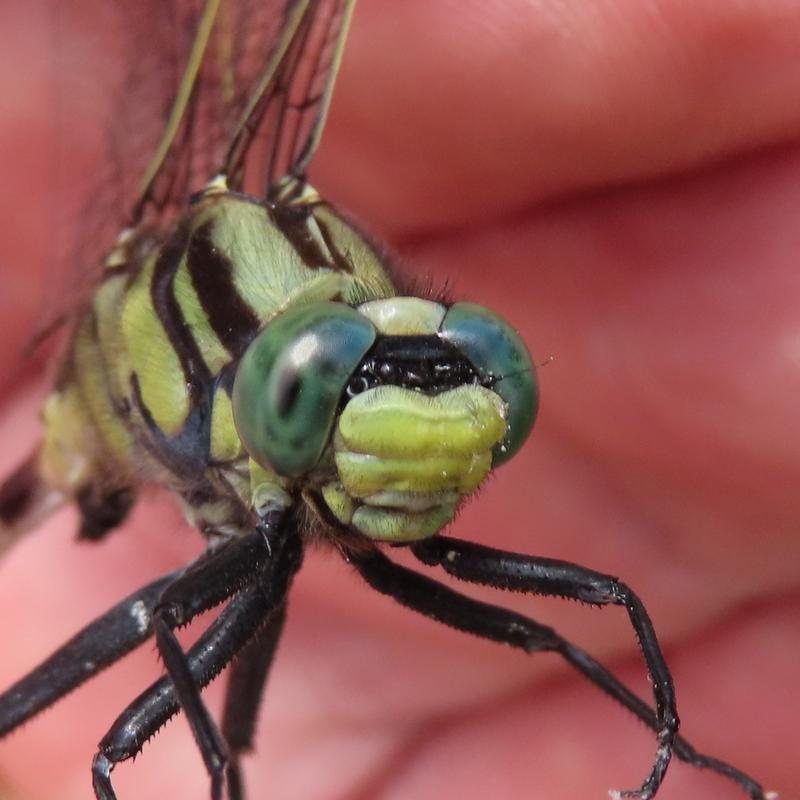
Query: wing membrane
{"x":186,"y":90}
{"x":288,"y":106}
{"x":265,"y":98}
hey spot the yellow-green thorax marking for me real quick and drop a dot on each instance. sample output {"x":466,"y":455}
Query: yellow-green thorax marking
{"x":144,"y":393}
{"x":258,"y":347}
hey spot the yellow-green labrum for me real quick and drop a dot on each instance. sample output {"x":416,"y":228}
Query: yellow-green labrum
{"x":407,"y":458}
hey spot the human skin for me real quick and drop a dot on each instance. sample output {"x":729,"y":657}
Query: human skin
{"x":621,"y":180}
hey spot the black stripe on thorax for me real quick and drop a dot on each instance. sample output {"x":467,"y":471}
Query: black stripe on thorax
{"x":232,"y":319}
{"x":185,"y":455}
{"x":292,"y":221}
{"x":162,"y":292}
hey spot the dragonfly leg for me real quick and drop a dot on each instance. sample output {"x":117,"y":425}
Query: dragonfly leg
{"x":102,"y":511}
{"x":248,"y":677}
{"x":204,"y":729}
{"x":203,"y":586}
{"x":111,"y":636}
{"x":99,"y":645}
{"x":439,"y":602}
{"x":248,"y":611}
{"x":514,"y":572}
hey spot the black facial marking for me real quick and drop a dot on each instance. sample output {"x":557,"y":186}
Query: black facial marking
{"x":426,"y":364}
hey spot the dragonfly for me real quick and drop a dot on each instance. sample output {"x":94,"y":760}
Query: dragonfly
{"x":250,"y":348}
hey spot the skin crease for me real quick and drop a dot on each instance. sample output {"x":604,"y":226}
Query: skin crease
{"x":621,"y":180}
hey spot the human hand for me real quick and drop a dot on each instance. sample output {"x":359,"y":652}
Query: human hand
{"x":622,"y":185}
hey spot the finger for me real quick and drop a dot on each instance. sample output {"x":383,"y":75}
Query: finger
{"x":665,"y":434}
{"x":23,"y":142}
{"x":565,"y":740}
{"x":460,"y":109}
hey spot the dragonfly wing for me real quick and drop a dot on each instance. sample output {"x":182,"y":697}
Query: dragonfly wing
{"x":282,"y":122}
{"x":172,"y":127}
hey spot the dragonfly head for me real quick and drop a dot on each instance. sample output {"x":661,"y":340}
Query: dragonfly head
{"x":394,"y":410}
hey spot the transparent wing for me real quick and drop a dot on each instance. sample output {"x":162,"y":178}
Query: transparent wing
{"x":282,"y":123}
{"x":114,"y":69}
{"x":260,"y":86}
{"x":224,"y":46}
{"x":181,"y":91}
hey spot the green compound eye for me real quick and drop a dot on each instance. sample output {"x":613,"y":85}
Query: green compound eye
{"x":496,"y":351}
{"x":290,"y":380}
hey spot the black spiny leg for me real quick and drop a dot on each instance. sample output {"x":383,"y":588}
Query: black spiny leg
{"x":230,"y":632}
{"x":246,"y":682}
{"x":102,"y":511}
{"x":439,"y":602}
{"x":202,"y":587}
{"x":544,"y":576}
{"x":205,"y":660}
{"x":99,"y":645}
{"x":111,"y":636}
{"x":514,"y":572}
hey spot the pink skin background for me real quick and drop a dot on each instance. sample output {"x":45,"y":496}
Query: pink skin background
{"x":622,"y":181}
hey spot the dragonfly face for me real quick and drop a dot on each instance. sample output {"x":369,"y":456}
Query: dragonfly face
{"x":408,"y":402}
{"x":249,"y":351}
